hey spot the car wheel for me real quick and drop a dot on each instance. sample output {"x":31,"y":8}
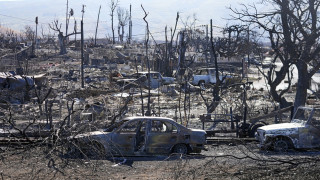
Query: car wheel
{"x":201,"y":84}
{"x":281,"y":145}
{"x":180,"y":149}
{"x":253,"y":130}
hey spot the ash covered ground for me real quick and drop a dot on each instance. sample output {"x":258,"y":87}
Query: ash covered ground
{"x":60,"y":105}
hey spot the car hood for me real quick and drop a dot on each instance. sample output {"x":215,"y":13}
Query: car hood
{"x":283,"y":128}
{"x":92,"y":134}
{"x":200,"y":131}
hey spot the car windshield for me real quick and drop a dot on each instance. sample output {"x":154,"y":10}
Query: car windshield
{"x":302,"y":115}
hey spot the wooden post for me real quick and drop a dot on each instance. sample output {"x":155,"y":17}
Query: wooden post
{"x":231,"y":116}
{"x":245,"y":104}
{"x":276,"y":116}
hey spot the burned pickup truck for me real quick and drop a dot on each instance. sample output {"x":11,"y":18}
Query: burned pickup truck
{"x":302,"y":132}
{"x":141,"y":79}
{"x":140,"y":136}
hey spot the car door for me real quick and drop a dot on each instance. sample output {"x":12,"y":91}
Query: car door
{"x":162,"y":137}
{"x":212,"y":75}
{"x":309,"y":135}
{"x":314,"y":129}
{"x":124,"y":138}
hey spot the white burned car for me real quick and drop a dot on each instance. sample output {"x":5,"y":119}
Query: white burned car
{"x":208,"y":76}
{"x":156,"y":80}
{"x":302,"y":132}
{"x":140,"y":136}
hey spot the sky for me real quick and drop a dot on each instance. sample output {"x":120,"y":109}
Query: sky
{"x":16,"y":14}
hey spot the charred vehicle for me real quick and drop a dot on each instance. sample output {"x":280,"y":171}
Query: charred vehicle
{"x":302,"y":132}
{"x":141,"y":136}
{"x":141,"y":78}
{"x":207,"y":76}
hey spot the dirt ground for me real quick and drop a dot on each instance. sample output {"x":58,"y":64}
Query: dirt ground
{"x":223,"y":160}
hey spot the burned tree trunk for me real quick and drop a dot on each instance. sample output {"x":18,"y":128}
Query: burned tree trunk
{"x":62,"y":38}
{"x":216,"y":88}
{"x":62,"y":43}
{"x":302,"y":85}
{"x":148,"y":113}
{"x":296,"y":25}
{"x":168,"y":70}
{"x":113,"y":4}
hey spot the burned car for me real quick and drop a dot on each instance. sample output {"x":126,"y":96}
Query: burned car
{"x":141,"y":78}
{"x":208,"y":76}
{"x":141,"y":136}
{"x":302,"y":132}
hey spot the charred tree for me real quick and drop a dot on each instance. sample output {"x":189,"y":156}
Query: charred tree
{"x":123,"y":19}
{"x":169,"y":50}
{"x":294,"y":28}
{"x":62,"y":38}
{"x":113,"y":5}
{"x":148,"y":113}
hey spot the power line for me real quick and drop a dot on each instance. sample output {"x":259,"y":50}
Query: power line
{"x":16,"y":18}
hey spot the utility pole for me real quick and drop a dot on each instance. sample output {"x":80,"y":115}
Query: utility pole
{"x":75,"y":30}
{"x":95,"y":37}
{"x":249,"y":47}
{"x":67,"y":17}
{"x":207,"y":33}
{"x":82,"y":51}
{"x":35,"y":38}
{"x":130,"y":27}
{"x":82,"y":56}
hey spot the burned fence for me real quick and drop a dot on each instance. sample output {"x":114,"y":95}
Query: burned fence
{"x":228,"y":118}
{"x":239,"y":124}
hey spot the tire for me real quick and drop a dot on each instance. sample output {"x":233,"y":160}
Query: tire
{"x":201,"y":83}
{"x":281,"y":144}
{"x":180,"y":149}
{"x":253,"y":130}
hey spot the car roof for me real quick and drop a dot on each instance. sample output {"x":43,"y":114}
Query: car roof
{"x":205,"y":68}
{"x":146,"y":72}
{"x":146,"y":117}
